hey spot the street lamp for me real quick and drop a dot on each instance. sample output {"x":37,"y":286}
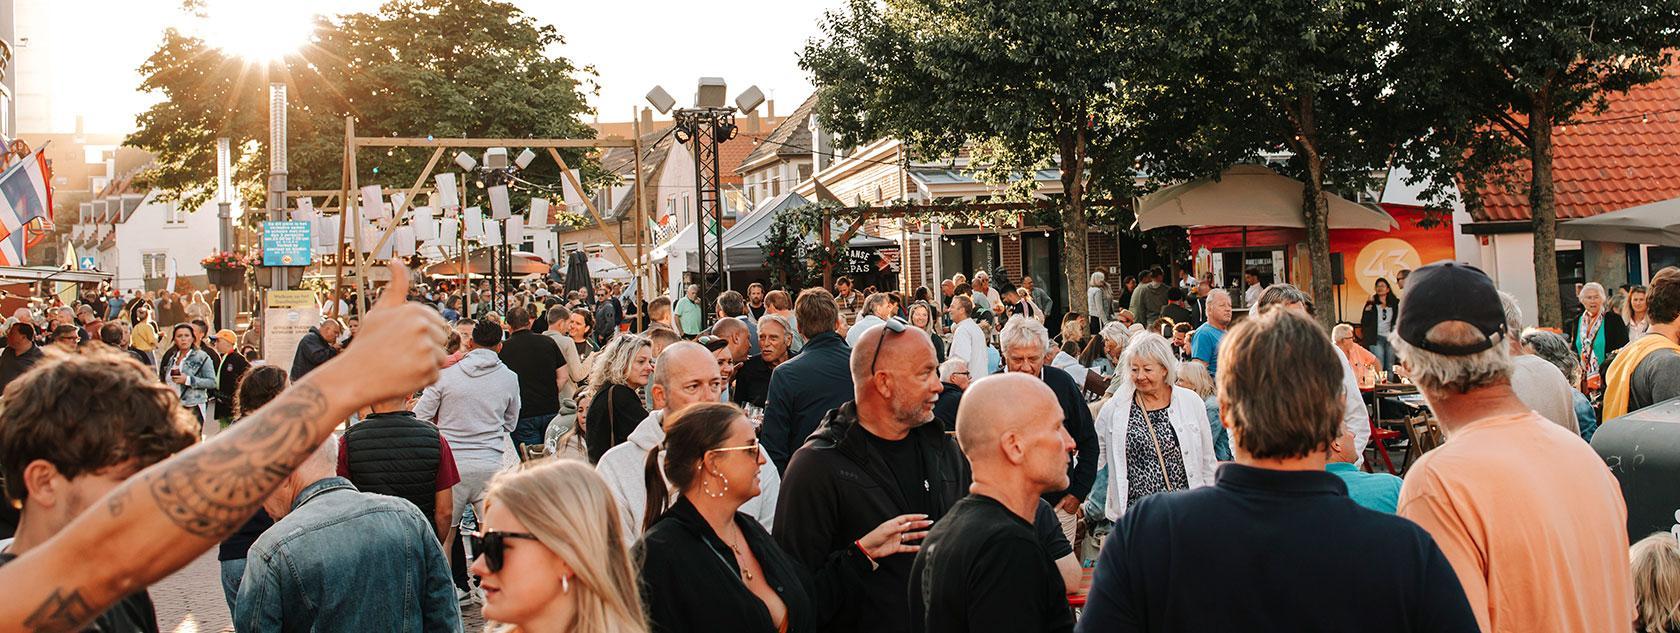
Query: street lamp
{"x":277,"y":168}
{"x":708,"y":122}
{"x":224,"y":216}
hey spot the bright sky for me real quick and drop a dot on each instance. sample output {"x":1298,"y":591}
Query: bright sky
{"x":95,"y":46}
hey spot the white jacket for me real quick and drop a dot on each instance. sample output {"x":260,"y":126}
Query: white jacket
{"x":623,"y":467}
{"x":1188,"y":415}
{"x":969,"y":344}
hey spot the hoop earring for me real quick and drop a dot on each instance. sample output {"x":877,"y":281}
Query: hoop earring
{"x":720,"y":493}
{"x":565,"y":584}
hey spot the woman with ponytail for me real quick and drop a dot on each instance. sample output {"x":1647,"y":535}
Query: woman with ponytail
{"x":551,"y":558}
{"x":707,"y":567}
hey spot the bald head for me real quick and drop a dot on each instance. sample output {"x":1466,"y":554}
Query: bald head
{"x":684,"y":374}
{"x":901,"y":348}
{"x":735,"y":332}
{"x":997,"y":405}
{"x":895,"y":380}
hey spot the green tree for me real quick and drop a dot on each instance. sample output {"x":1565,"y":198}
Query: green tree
{"x":1032,"y":80}
{"x":1303,"y":80}
{"x":441,"y":68}
{"x":1496,"y":78}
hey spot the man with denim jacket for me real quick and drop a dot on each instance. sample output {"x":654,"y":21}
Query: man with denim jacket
{"x":338,"y":559}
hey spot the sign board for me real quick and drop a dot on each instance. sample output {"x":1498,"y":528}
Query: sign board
{"x":287,"y":243}
{"x":287,"y":319}
{"x":86,"y":263}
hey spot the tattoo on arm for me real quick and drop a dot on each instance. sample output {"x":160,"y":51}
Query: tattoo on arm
{"x":217,"y":486}
{"x":60,"y":612}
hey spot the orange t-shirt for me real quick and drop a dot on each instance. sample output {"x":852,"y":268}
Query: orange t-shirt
{"x":1533,"y":523}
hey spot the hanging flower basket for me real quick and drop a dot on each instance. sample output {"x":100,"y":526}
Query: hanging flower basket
{"x":226,"y":269}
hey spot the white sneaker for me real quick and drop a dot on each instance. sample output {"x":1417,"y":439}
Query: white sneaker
{"x":465,"y":597}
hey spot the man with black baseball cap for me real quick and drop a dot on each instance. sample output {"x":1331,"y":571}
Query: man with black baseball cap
{"x":1529,"y":516}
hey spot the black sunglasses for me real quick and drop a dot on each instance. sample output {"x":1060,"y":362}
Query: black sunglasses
{"x":492,"y":545}
{"x":894,"y":326}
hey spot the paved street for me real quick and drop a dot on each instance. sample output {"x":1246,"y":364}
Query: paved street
{"x":191,"y":601}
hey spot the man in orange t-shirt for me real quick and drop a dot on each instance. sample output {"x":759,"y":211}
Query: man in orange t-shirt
{"x":1531,"y":519}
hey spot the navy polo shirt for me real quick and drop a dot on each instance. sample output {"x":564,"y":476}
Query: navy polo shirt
{"x":1271,"y":550}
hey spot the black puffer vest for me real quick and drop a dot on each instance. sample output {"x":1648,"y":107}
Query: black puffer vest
{"x":395,"y":454}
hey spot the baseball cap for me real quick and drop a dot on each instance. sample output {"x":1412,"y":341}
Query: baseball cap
{"x":6,"y":328}
{"x":712,"y":343}
{"x":227,"y":336}
{"x":1448,"y":291}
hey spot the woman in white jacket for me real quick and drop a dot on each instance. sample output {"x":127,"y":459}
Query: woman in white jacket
{"x":1154,"y":434}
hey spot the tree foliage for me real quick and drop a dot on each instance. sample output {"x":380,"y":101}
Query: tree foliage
{"x":1495,"y":79}
{"x":416,"y":68}
{"x":1033,"y":80}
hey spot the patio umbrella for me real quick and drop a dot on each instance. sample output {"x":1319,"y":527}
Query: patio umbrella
{"x":479,"y":264}
{"x":577,"y":273}
{"x":1248,"y":195}
{"x":1655,"y":223}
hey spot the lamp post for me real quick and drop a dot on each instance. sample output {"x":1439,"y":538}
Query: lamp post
{"x":702,"y":127}
{"x":224,"y":215}
{"x":277,"y":168}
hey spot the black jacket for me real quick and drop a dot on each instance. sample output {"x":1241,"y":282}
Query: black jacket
{"x":613,"y":413}
{"x":1615,"y":334}
{"x":945,"y":409}
{"x":313,"y":350}
{"x":752,"y":381}
{"x":838,"y":488}
{"x":691,"y":581}
{"x":1368,"y":319}
{"x":802,"y":391}
{"x":395,"y":454}
{"x":1076,"y":417}
{"x":227,"y":383}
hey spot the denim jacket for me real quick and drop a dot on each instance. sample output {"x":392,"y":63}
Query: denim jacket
{"x":200,"y":373}
{"x":346,"y":560}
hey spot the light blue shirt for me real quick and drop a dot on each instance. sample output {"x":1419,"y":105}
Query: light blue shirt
{"x":1204,"y":346}
{"x":1376,"y":491}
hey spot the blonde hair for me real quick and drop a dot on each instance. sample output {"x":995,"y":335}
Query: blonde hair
{"x":1194,"y":376}
{"x":612,"y":363}
{"x":1656,"y":583}
{"x":567,"y":506}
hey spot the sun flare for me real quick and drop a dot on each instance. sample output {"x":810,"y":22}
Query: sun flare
{"x":257,"y":31}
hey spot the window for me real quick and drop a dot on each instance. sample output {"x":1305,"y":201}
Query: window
{"x":173,"y":215}
{"x":154,"y":265}
{"x":804,"y":171}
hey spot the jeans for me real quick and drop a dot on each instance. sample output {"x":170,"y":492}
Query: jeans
{"x":1384,"y":353}
{"x":232,"y":570}
{"x":529,"y":431}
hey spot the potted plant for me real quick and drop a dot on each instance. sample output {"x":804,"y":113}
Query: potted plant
{"x":226,"y":269}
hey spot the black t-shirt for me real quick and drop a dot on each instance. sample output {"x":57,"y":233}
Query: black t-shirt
{"x":131,"y":614}
{"x":752,"y":382}
{"x":757,"y":312}
{"x":982,"y":568}
{"x":1049,"y":529}
{"x":904,"y":459}
{"x":535,"y":358}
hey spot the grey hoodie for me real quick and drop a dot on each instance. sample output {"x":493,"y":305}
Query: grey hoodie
{"x":475,"y":404}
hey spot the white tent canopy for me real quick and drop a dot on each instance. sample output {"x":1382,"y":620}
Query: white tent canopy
{"x":1248,"y":195}
{"x":1655,"y":223}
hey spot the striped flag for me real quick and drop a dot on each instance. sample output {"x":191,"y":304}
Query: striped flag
{"x":24,"y":197}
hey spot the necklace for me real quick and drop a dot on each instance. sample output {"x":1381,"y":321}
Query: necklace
{"x":746,"y":574}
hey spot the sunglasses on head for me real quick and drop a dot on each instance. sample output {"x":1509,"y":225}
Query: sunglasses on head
{"x":492,"y":545}
{"x":894,"y":325}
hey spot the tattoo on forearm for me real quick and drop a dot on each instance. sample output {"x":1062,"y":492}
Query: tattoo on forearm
{"x":214,"y":488}
{"x":60,"y":612}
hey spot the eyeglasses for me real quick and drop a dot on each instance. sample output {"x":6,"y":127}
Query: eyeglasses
{"x":492,"y":545}
{"x":894,"y":325}
{"x":755,"y":447}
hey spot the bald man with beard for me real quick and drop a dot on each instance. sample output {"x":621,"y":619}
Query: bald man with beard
{"x":982,"y":567}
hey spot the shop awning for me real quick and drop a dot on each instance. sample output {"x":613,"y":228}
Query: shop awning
{"x":741,"y":243}
{"x":1655,"y":223}
{"x":1248,"y":195}
{"x":15,"y":274}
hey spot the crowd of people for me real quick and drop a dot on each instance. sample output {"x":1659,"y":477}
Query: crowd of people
{"x":780,"y":460}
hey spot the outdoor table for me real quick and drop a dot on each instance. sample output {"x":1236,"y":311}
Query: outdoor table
{"x":1076,"y":598}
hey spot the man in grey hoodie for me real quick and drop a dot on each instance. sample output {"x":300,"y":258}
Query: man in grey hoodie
{"x":685,"y":373}
{"x":475,"y":404}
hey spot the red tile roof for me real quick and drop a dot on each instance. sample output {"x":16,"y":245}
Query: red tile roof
{"x":1624,"y":157}
{"x":730,"y":156}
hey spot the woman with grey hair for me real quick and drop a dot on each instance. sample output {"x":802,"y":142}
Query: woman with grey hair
{"x":1153,"y":433}
{"x":1114,"y":339}
{"x":621,"y":369}
{"x":1594,"y":337}
{"x":1552,"y":347}
{"x":1096,"y":300}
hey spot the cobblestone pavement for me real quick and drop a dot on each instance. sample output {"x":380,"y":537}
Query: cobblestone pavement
{"x":191,"y":601}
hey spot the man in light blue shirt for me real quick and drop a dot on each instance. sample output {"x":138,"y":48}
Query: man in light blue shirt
{"x":1204,"y":344}
{"x":689,"y":312}
{"x":1375,"y":491}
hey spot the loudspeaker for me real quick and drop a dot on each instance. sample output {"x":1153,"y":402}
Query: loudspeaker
{"x":1337,"y":276}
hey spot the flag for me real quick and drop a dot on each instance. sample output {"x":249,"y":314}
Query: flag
{"x":24,"y":197}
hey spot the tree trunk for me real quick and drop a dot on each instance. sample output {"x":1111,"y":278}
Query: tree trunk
{"x":1542,"y":200}
{"x":1074,"y":234}
{"x":1315,"y":209}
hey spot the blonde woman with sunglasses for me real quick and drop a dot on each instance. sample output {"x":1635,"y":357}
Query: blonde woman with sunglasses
{"x":708,"y":567}
{"x":550,"y":556}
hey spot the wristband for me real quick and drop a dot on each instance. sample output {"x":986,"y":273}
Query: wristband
{"x":872,"y":564}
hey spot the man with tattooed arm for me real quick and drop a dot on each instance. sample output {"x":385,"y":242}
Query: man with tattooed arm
{"x":168,"y":514}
